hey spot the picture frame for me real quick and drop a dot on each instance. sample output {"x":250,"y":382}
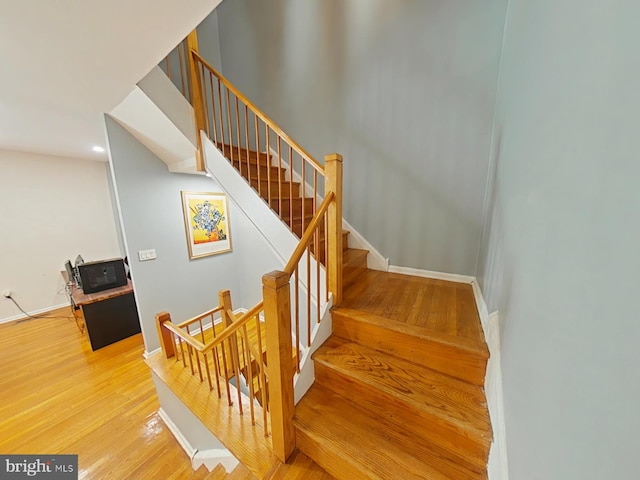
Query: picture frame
{"x":206,"y":221}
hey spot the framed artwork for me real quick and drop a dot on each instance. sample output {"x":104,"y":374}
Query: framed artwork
{"x":206,"y":220}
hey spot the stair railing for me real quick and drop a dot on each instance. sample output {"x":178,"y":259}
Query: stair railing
{"x":246,"y":135}
{"x":230,"y":353}
{"x":242,"y":132}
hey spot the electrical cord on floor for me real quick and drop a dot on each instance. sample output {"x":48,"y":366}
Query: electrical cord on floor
{"x":32,"y":317}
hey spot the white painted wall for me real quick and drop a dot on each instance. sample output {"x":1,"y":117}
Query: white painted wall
{"x":151,"y":210}
{"x":404,"y":90}
{"x":51,"y":210}
{"x":560,"y":256}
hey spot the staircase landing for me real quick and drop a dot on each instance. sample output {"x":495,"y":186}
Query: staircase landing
{"x":447,"y":308}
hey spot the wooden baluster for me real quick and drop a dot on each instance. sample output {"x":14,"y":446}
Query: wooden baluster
{"x":184,"y":361}
{"x":189,"y":350}
{"x":223,"y":145}
{"x":196,"y":98}
{"x":229,"y":125}
{"x":249,"y":367}
{"x":291,"y":186}
{"x":166,"y":337}
{"x":226,"y":373}
{"x":308,"y":296}
{"x":199,"y":366}
{"x":182,"y":69}
{"x":326,"y":256}
{"x":263,"y":376}
{"x":304,"y":191}
{"x":268,"y":165}
{"x":255,"y":121}
{"x":168,"y":63}
{"x":296,"y":308}
{"x":315,"y":191}
{"x":224,"y":297}
{"x":277,"y":311}
{"x":280,"y":184}
{"x":316,"y":246}
{"x":205,"y":101}
{"x":216,"y":367}
{"x":246,"y":141}
{"x":238,"y":146}
{"x":213,"y":110}
{"x":333,"y":183}
{"x":206,"y":364}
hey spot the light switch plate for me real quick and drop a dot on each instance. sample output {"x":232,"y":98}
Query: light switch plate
{"x":145,"y":255}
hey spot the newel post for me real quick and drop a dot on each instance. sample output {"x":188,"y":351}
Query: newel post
{"x":195,"y":89}
{"x":333,"y":183}
{"x":166,"y":337}
{"x":277,"y":312}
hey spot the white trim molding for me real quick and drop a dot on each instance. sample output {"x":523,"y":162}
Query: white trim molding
{"x":209,"y":458}
{"x":451,"y":277}
{"x":375,"y":260}
{"x":34,"y":313}
{"x":497,"y":467}
{"x":173,"y":428}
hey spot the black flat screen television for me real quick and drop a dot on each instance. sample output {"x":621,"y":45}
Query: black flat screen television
{"x":102,"y":275}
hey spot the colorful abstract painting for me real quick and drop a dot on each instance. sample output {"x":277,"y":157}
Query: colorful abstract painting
{"x":206,"y":217}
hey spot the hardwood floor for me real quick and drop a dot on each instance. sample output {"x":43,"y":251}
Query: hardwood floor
{"x":58,"y":397}
{"x":440,"y":306}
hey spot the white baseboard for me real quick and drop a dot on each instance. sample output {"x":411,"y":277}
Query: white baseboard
{"x":34,"y":313}
{"x":375,"y":260}
{"x":452,"y":277}
{"x":482,"y":308}
{"x":498,"y":468}
{"x":148,"y":354}
{"x":209,"y":458}
{"x":173,"y":428}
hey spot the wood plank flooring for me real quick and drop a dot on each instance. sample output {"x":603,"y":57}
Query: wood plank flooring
{"x":58,"y":397}
{"x":441,"y":306}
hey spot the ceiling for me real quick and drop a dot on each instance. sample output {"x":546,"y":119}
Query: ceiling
{"x":65,"y":62}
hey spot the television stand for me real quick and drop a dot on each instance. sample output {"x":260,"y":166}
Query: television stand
{"x":110,"y":315}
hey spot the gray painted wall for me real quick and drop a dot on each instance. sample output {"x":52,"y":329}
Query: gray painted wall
{"x":404,"y":90}
{"x":151,"y":210}
{"x":560,"y":255}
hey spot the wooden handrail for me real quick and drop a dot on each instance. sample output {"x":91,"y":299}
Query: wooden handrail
{"x":273,"y":125}
{"x":233,"y":328}
{"x":308,"y":234}
{"x":194,"y":342}
{"x":197,"y":318}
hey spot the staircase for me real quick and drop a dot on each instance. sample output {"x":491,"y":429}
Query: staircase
{"x":398,"y":391}
{"x":398,"y":385}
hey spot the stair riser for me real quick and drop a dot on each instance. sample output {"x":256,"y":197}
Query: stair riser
{"x":470,"y":448}
{"x":326,"y":457}
{"x":296,"y":204}
{"x":432,"y":354}
{"x":276,"y":188}
{"x":352,"y":270}
{"x":253,"y":169}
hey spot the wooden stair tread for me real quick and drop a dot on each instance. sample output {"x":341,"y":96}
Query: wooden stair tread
{"x":450,"y":355}
{"x":438,"y":305}
{"x":300,"y":467}
{"x":245,"y":441}
{"x":354,"y":255}
{"x":240,"y":473}
{"x":439,"y":395}
{"x":350,"y":443}
{"x":459,"y":342}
